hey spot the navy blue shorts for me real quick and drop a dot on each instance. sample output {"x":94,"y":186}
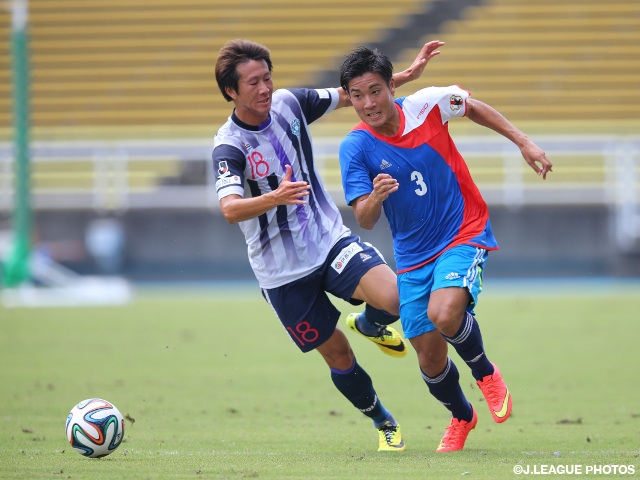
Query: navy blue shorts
{"x":303,"y":306}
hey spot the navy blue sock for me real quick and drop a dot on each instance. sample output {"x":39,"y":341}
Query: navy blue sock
{"x":356,"y":385}
{"x":468,"y":344}
{"x":446,"y":388}
{"x":373,"y":315}
{"x":369,"y":321}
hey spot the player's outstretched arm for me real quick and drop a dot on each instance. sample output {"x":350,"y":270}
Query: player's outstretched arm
{"x":428,"y":51}
{"x":487,"y":116}
{"x":237,"y":209}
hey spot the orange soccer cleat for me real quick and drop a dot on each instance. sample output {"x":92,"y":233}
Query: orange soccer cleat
{"x":497,"y":395}
{"x":457,"y":433}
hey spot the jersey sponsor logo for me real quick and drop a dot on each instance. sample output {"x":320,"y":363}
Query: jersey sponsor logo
{"x":295,"y":127}
{"x":345,"y":255}
{"x":455,"y":102}
{"x":364,"y":257}
{"x":452,"y":276}
{"x":247,"y":146}
{"x":422,"y":110}
{"x":228,"y":180}
{"x":223,"y":169}
{"x":384,"y":164}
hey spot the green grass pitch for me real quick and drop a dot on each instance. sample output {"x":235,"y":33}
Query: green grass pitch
{"x":212,"y":388}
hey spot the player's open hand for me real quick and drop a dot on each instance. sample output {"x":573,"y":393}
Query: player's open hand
{"x":291,"y":193}
{"x":534,"y":155}
{"x":428,"y":51}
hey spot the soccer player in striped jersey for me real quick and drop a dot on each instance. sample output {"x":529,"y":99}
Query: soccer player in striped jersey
{"x":401,"y":158}
{"x":299,"y":248}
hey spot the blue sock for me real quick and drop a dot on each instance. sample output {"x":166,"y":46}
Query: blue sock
{"x":446,"y":388}
{"x":369,"y":321}
{"x":356,"y":385}
{"x":468,"y":344}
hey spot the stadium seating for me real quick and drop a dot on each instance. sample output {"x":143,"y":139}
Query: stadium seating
{"x":548,"y":59}
{"x":550,"y":66}
{"x":151,"y":62}
{"x":117,"y":68}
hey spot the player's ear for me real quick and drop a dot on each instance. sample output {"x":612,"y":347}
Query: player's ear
{"x":231,"y":92}
{"x":392,"y":86}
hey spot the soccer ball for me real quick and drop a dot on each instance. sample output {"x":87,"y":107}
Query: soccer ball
{"x":95,"y":428}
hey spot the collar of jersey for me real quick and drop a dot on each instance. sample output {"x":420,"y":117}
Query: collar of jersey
{"x":246,"y":126}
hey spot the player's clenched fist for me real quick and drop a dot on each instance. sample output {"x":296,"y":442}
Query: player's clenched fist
{"x":384,"y":185}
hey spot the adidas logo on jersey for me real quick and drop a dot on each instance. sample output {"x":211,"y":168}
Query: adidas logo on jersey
{"x":384,"y":164}
{"x":452,"y":276}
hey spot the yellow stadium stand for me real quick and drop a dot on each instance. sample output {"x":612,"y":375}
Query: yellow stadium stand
{"x":546,"y":60}
{"x":151,"y":62}
{"x":121,"y":69}
{"x":550,"y":66}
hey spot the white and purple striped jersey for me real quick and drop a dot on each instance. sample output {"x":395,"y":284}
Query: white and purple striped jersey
{"x":289,"y":241}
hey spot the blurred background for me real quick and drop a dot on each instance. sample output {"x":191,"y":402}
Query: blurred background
{"x":123,"y":106}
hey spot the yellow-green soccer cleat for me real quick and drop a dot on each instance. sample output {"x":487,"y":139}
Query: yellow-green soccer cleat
{"x":387,"y":339}
{"x":390,"y":438}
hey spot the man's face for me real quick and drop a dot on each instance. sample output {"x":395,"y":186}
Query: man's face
{"x":253,"y":98}
{"x":373,"y":101}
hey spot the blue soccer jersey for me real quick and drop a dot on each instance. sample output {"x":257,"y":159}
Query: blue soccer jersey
{"x":437,"y":204}
{"x":289,"y":241}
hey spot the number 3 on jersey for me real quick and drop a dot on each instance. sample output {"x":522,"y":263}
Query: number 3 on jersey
{"x":422,"y":187}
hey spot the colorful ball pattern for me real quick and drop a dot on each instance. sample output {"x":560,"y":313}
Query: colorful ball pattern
{"x":95,"y":428}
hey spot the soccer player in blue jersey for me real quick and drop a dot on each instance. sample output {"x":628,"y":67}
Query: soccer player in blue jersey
{"x":401,"y":158}
{"x":298,"y":246}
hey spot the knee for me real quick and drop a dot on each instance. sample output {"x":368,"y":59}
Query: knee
{"x":445,"y":317}
{"x":431,"y":349}
{"x":432,"y":362}
{"x":337,"y":352}
{"x":342,"y":360}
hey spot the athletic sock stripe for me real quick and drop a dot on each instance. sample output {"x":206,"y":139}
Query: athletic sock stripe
{"x":344,"y":372}
{"x":440,"y":377}
{"x":466,"y":331}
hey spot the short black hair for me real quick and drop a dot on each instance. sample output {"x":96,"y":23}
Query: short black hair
{"x":233,"y":54}
{"x":365,"y":60}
